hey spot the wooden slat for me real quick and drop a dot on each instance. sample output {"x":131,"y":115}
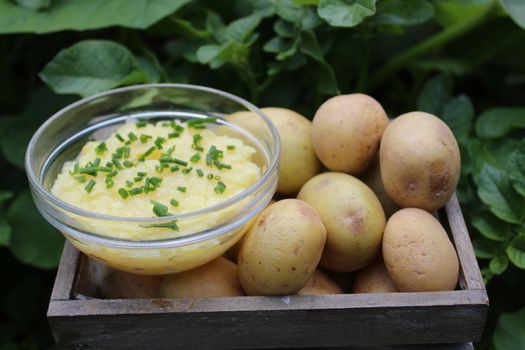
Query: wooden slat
{"x":65,"y":278}
{"x":469,"y":264}
{"x":265,"y":322}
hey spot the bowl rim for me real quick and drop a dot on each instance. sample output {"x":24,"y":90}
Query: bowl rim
{"x":35,"y":183}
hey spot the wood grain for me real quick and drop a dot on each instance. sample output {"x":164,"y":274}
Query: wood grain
{"x":66,"y":273}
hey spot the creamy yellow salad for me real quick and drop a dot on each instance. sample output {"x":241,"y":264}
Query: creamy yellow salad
{"x":155,"y":170}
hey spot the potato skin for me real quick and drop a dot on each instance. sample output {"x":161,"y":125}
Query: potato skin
{"x":353,"y":217}
{"x":218,"y":278}
{"x":346,"y":131}
{"x":298,"y":160}
{"x":420,"y":161}
{"x":124,"y":285}
{"x":282,"y":249}
{"x":418,"y":253}
{"x":374,"y":278}
{"x":320,"y":284}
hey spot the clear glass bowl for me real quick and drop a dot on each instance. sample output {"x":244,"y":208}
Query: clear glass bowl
{"x":204,"y":234}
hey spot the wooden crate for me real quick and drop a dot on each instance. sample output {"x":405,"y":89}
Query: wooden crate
{"x":346,"y":320}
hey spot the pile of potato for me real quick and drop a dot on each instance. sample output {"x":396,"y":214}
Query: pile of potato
{"x":367,"y":217}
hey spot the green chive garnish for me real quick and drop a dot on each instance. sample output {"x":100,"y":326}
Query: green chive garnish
{"x":132,"y":137}
{"x":141,"y":123}
{"x":230,"y":147}
{"x":144,"y":138}
{"x":200,"y":172}
{"x":135,"y":191}
{"x":159,"y":141}
{"x":220,"y":187}
{"x":147,"y":153}
{"x":195,"y":158}
{"x":173,"y":135}
{"x":119,"y":137}
{"x":127,"y":163}
{"x":123,"y":193}
{"x":210,"y":176}
{"x":174,"y":168}
{"x":171,"y":225}
{"x":174,"y":202}
{"x":129,"y":183}
{"x":199,"y":122}
{"x":181,"y":189}
{"x":180,"y":162}
{"x":80,"y":178}
{"x":90,"y":185}
{"x":101,"y":148}
{"x":187,"y":170}
{"x":160,"y":209}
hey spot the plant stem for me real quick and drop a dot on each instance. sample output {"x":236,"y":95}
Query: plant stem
{"x":432,"y":43}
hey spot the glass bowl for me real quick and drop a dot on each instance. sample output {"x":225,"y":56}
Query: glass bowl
{"x":203,"y":234}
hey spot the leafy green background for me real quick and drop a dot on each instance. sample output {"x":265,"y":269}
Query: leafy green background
{"x":459,"y":59}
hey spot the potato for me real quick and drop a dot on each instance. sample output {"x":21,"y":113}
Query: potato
{"x":282,"y":249}
{"x":319,"y":284}
{"x":298,"y":161}
{"x":418,"y":253}
{"x":372,"y":178}
{"x":218,"y":278}
{"x":420,"y":161}
{"x":346,"y":131}
{"x":353,"y":217}
{"x":117,"y":284}
{"x":374,"y":278}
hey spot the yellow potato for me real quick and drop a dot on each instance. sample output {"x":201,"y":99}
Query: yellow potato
{"x":346,"y":131}
{"x":298,"y":161}
{"x":374,"y":278}
{"x":320,"y":284}
{"x":117,"y":284}
{"x":353,"y":217}
{"x":420,"y":161}
{"x":418,"y":253}
{"x":217,"y":278}
{"x":372,"y":178}
{"x":282,"y":249}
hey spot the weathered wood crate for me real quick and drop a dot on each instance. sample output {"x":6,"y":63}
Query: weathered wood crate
{"x":346,"y":320}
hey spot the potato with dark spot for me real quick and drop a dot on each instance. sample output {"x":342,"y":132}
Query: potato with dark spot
{"x":374,"y":278}
{"x":218,"y":278}
{"x":420,"y":161}
{"x":346,"y":131}
{"x":372,"y":178}
{"x":353,"y":217}
{"x":117,"y":284}
{"x":282,"y":249}
{"x":418,"y":253}
{"x":320,"y":284}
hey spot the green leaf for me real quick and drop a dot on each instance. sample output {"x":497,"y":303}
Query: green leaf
{"x":206,"y":53}
{"x":327,"y":82}
{"x":516,"y":168}
{"x":496,"y":191}
{"x":84,"y":15}
{"x":510,"y":331}
{"x":516,"y":10}
{"x":33,"y":241}
{"x":284,"y":29}
{"x":92,"y":66}
{"x":303,"y":16}
{"x":485,"y":249}
{"x":452,"y":12}
{"x":346,"y":13}
{"x":5,"y":196}
{"x":403,"y":12}
{"x":516,"y":251}
{"x":306,"y":2}
{"x":14,"y":143}
{"x":498,"y":122}
{"x":459,"y":116}
{"x":496,"y":153}
{"x":5,"y":232}
{"x":34,"y":5}
{"x":435,"y":95}
{"x":499,"y":264}
{"x":491,"y":227}
{"x":240,"y":29}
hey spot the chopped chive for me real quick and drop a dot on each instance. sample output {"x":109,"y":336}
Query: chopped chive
{"x":173,"y":135}
{"x":171,"y":225}
{"x":155,"y":181}
{"x":159,"y":209}
{"x":75,"y":170}
{"x":195,"y":158}
{"x":199,"y":122}
{"x":181,"y":189}
{"x":90,"y":185}
{"x":187,"y":170}
{"x":147,"y":153}
{"x":200,"y":172}
{"x":109,"y":182}
{"x":166,"y":124}
{"x":101,"y":148}
{"x":174,"y":168}
{"x":210,"y":176}
{"x":180,"y":162}
{"x":217,"y":177}
{"x":127,"y":163}
{"x":221,"y":165}
{"x":80,"y":178}
{"x":117,"y":163}
{"x":159,"y":141}
{"x":129,"y":183}
{"x":109,"y":164}
{"x":159,"y":169}
{"x":220,"y":187}
{"x":123,"y":152}
{"x":96,"y":162}
{"x":132,"y":137}
{"x":123,"y":193}
{"x":174,"y":202}
{"x":144,"y":138}
{"x":135,"y":191}
{"x":178,"y":128}
{"x":230,"y":147}
{"x":119,"y":137}
{"x":169,"y":151}
{"x":141,"y":123}
{"x":113,"y":173}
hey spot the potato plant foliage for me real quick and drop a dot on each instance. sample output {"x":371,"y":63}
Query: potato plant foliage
{"x":461,"y":60}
